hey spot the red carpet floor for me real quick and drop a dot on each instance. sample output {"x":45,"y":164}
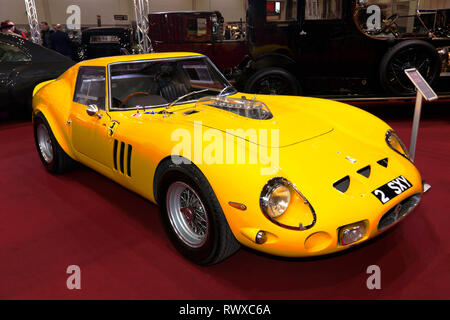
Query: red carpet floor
{"x":50,"y":222}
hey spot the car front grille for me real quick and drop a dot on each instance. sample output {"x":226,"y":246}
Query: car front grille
{"x":398,"y":211}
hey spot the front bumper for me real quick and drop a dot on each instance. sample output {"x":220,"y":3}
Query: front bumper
{"x":321,"y":239}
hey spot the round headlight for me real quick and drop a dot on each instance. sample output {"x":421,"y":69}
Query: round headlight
{"x":275,"y":197}
{"x":279,"y":201}
{"x":396,"y":144}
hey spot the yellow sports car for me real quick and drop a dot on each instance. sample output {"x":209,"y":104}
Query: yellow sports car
{"x":290,"y":176}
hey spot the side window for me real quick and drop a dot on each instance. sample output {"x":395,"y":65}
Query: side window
{"x":10,"y":53}
{"x":90,"y":87}
{"x":323,"y":9}
{"x":281,"y":11}
{"x":196,"y":29}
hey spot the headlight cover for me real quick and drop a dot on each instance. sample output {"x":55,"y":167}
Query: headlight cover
{"x":394,"y":142}
{"x":275,"y":199}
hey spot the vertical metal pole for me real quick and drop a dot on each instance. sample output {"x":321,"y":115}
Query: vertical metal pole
{"x":415,"y":128}
{"x":30,"y":6}
{"x":138,"y":32}
{"x":142,"y":11}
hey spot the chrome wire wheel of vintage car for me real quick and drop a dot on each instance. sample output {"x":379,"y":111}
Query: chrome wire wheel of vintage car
{"x":44,"y":143}
{"x":187,"y":214}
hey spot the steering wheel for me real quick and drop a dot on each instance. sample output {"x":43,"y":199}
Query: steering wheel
{"x":132,"y":95}
{"x":388,"y":26}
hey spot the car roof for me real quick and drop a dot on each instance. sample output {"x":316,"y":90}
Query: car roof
{"x":187,"y":12}
{"x":136,"y":57}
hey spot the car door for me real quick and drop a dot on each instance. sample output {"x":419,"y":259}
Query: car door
{"x":321,"y":43}
{"x":90,"y":132}
{"x":12,"y":59}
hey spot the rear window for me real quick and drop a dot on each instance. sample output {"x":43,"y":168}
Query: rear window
{"x":281,"y":11}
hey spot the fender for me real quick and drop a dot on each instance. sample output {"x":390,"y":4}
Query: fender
{"x":41,"y":85}
{"x":273,"y":59}
{"x":56,"y":120}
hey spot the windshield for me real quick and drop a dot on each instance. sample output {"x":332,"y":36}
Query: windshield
{"x":157,"y":83}
{"x":389,"y":18}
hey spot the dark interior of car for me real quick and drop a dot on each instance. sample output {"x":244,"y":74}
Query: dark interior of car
{"x":154,"y":84}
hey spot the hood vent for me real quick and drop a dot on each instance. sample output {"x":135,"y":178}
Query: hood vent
{"x":342,"y":185}
{"x":383,"y":162}
{"x":252,"y":109}
{"x":187,"y":113}
{"x":365,"y":171}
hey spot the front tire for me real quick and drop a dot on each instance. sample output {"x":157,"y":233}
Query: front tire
{"x":53,"y":157}
{"x":192,"y":215}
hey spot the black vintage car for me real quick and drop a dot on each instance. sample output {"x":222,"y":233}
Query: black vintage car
{"x":23,"y":65}
{"x":343,"y":47}
{"x":106,"y":41}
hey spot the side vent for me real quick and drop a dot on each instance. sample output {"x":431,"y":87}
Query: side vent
{"x":383,"y":162}
{"x":364,"y":171}
{"x":342,"y":185}
{"x":122,"y":154}
{"x":116,"y":143}
{"x":130,"y":150}
{"x":119,"y":157}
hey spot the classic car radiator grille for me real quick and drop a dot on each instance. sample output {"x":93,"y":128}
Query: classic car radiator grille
{"x":120,"y":163}
{"x":398,"y":211}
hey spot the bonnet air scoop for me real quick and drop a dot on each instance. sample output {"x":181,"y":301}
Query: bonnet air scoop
{"x":252,"y":109}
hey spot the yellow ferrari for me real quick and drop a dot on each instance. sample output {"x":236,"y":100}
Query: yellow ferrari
{"x":289,"y":176}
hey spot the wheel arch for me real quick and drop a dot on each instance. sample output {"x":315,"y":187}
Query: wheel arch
{"x":274,"y":59}
{"x":158,"y":173}
{"x":61,"y":135}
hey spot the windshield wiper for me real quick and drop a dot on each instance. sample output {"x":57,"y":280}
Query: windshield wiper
{"x":225,"y":90}
{"x":185,"y":96}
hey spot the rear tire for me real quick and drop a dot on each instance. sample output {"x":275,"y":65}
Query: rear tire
{"x":273,"y":81}
{"x":53,"y":157}
{"x":404,"y":55}
{"x":192,"y":215}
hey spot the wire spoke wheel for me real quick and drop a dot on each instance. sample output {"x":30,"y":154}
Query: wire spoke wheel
{"x":187,"y":214}
{"x":272,"y":80}
{"x":272,"y":84}
{"x":407,"y":55}
{"x":45,"y":143}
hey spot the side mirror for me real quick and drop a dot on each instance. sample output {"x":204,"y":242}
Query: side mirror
{"x":92,"y":110}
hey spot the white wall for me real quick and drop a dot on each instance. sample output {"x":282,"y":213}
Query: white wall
{"x":435,"y":4}
{"x":232,"y":10}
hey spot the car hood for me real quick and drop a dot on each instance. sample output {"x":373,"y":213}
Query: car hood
{"x":294,"y":120}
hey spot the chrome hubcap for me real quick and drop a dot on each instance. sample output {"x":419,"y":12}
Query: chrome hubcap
{"x":187,"y":214}
{"x":45,"y":143}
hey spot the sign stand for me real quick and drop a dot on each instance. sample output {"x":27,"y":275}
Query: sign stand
{"x":423,"y":91}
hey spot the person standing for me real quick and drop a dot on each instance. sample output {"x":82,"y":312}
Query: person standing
{"x":46,"y":34}
{"x":9,"y":27}
{"x":61,"y":42}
